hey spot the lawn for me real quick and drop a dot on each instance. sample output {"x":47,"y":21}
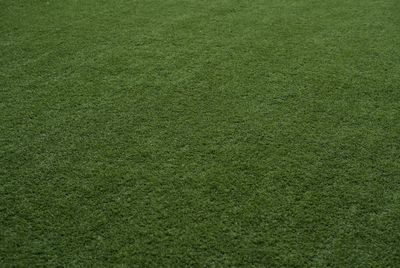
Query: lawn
{"x":218,"y":133}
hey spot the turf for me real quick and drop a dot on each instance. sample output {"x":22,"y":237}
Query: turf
{"x":220,"y":133}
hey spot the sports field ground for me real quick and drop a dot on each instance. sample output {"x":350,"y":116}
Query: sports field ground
{"x":200,"y":133}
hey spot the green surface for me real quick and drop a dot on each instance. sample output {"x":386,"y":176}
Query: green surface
{"x":200,"y":133}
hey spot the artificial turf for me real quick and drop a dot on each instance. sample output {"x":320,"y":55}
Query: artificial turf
{"x":220,"y":133}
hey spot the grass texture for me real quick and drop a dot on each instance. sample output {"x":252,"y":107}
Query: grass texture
{"x":218,"y":133}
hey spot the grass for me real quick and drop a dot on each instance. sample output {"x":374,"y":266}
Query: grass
{"x":217,"y":133}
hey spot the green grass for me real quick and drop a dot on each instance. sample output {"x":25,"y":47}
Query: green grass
{"x":219,"y":133}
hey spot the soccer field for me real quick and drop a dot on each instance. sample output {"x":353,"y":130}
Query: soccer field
{"x":200,"y":133}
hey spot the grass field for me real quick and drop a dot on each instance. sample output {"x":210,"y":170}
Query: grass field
{"x":219,"y":133}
